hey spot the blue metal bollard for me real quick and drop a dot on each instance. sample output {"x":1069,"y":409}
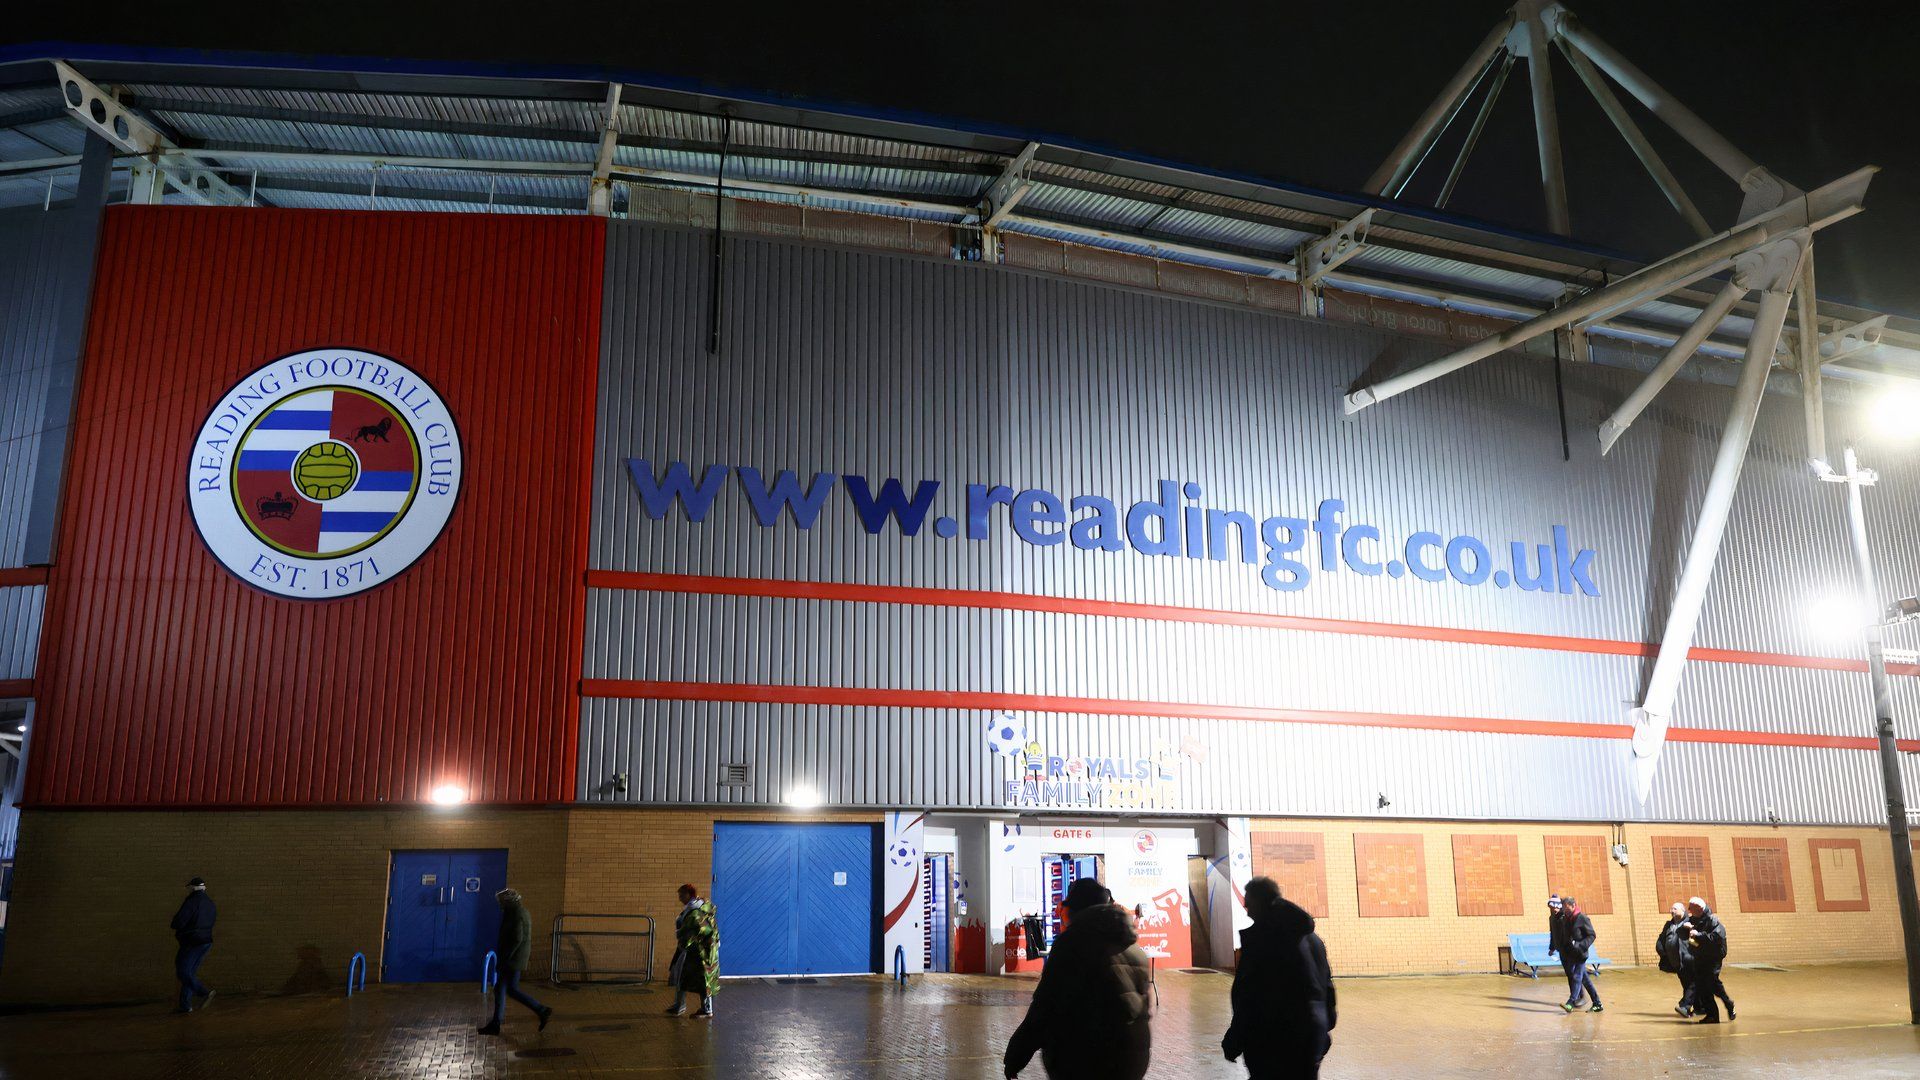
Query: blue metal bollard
{"x":489,"y":971}
{"x":358,"y":963}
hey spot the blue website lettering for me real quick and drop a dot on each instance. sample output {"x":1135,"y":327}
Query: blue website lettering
{"x":1172,"y":523}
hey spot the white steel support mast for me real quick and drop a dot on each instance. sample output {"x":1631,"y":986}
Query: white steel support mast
{"x":1767,"y":252}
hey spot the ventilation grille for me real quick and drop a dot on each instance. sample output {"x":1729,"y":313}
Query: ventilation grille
{"x":736,"y":775}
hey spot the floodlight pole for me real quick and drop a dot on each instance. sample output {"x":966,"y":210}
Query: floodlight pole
{"x":1855,"y":479}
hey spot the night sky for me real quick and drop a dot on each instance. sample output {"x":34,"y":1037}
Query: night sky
{"x":1315,"y":94}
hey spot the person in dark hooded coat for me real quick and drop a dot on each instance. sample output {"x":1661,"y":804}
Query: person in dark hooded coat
{"x":1089,"y":1016}
{"x":1283,"y":1000}
{"x":1707,"y":938}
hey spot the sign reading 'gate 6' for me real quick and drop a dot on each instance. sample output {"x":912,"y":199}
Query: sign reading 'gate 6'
{"x":324,"y":473}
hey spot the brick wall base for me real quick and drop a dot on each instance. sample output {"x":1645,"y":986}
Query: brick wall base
{"x":1444,"y":940}
{"x":301,"y":891}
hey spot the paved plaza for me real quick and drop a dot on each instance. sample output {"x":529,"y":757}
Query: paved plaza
{"x":1830,"y":1021}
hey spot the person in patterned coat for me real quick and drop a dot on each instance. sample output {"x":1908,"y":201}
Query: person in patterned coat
{"x":696,"y":954}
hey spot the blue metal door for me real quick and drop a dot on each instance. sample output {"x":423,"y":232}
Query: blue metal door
{"x":794,"y":899}
{"x":441,"y":915}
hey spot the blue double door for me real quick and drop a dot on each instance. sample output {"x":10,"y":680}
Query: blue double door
{"x":796,"y":899}
{"x":441,"y":915}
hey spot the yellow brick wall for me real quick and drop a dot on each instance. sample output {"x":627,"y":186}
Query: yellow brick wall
{"x":299,"y":892}
{"x":634,"y":861}
{"x":1445,"y":941}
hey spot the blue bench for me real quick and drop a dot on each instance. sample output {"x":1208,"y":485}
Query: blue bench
{"x":1530,"y":951}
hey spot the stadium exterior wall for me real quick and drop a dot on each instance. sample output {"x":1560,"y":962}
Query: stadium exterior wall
{"x":871,"y":666}
{"x":168,"y":680}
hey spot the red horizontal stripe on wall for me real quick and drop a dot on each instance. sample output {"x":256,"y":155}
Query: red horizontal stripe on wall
{"x":12,"y":688}
{"x":884,"y":697}
{"x":23,"y":575}
{"x":1065,"y":605}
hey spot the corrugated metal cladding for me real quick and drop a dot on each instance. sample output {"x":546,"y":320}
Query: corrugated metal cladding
{"x":883,"y":366}
{"x":165,"y":680}
{"x":32,"y":278}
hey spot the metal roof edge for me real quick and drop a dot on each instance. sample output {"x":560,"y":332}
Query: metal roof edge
{"x":583,"y":82}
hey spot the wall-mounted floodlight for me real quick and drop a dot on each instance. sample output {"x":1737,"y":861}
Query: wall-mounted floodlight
{"x":449,"y":795}
{"x":803,"y":797}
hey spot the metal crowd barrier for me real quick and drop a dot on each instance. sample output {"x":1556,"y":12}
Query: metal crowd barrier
{"x":589,"y":973}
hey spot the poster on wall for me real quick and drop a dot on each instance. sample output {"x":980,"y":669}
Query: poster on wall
{"x":1149,"y":876}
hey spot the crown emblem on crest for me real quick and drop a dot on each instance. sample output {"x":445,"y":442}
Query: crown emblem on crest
{"x":276,"y":506}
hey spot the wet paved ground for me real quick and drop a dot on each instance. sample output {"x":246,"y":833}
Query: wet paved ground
{"x":1816,"y":1021}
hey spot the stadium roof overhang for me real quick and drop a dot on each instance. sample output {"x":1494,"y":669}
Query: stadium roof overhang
{"x":395,"y":140}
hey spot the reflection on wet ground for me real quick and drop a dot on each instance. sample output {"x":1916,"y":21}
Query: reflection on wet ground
{"x":1840,"y":1021}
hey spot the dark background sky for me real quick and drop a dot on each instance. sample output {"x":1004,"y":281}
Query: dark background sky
{"x":1310,"y":93}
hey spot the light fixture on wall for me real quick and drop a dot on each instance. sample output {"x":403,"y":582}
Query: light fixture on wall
{"x":449,"y":795}
{"x":1382,"y":802}
{"x":1773,"y":817}
{"x":803,"y":797}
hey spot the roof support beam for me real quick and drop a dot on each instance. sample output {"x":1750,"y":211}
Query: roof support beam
{"x":1841,"y":199}
{"x":1714,"y":146}
{"x":1651,"y":719}
{"x":1393,"y":172}
{"x":1812,"y":396}
{"x":1473,"y":133}
{"x":129,"y":133}
{"x":1531,"y":37}
{"x":1851,"y":340}
{"x":1676,"y":358}
{"x":1008,"y":188}
{"x":1630,"y":131}
{"x":600,"y":194}
{"x":1318,"y":258}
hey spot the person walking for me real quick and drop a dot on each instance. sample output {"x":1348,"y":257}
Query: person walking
{"x":1575,"y":945}
{"x":512,"y":947}
{"x":1089,"y":1016}
{"x":696,"y":954}
{"x":1707,"y":937}
{"x":1283,"y":1000}
{"x":1676,"y":955}
{"x":193,"y":934}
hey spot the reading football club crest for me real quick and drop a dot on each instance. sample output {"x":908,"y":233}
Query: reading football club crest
{"x":324,"y":473}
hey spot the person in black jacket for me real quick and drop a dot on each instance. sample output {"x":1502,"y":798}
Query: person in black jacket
{"x":1089,"y":1016}
{"x":193,"y":931}
{"x":1575,"y":944}
{"x":1676,"y":956}
{"x":1707,"y":937}
{"x":1283,"y":1000}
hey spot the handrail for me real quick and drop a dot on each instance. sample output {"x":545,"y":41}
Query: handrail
{"x":359,"y":961}
{"x":489,"y":971}
{"x":555,"y":971}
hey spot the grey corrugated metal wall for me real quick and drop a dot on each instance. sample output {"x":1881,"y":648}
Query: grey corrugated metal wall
{"x":31,"y":281}
{"x":885,"y":366}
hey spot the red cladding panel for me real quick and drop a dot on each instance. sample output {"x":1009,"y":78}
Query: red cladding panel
{"x":167,"y":681}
